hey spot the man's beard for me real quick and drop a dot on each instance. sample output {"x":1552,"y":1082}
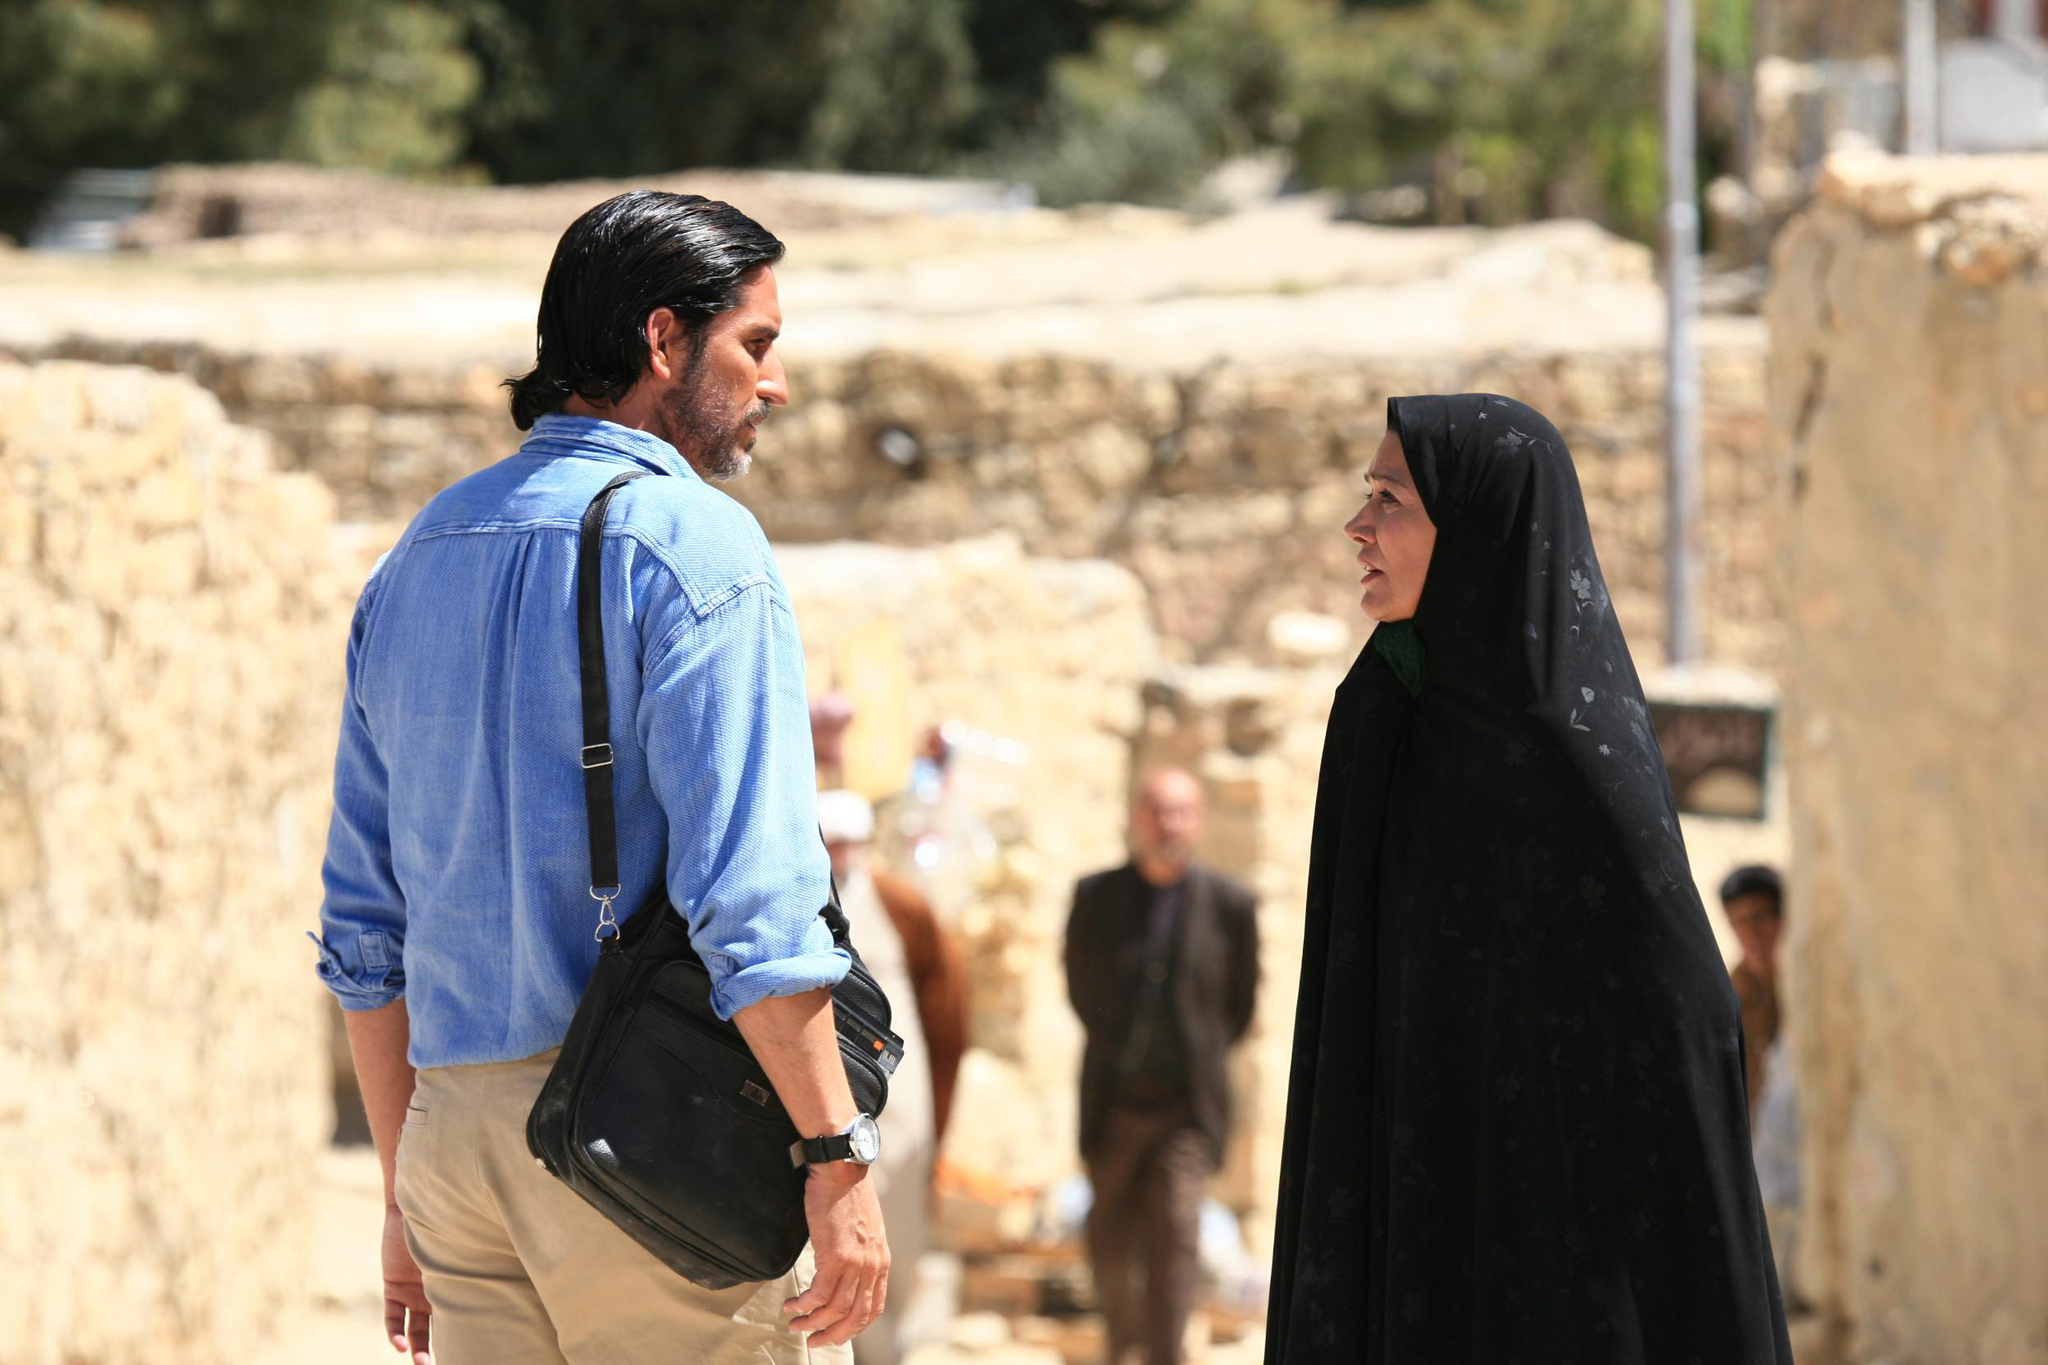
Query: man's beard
{"x":711,"y":445}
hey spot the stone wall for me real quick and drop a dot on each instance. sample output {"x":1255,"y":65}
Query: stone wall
{"x":170,"y":648}
{"x":1910,"y":396}
{"x":1223,"y":489}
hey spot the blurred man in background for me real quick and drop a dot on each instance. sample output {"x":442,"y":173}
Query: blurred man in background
{"x":1753,"y":898}
{"x":1162,"y":961}
{"x":918,"y":965}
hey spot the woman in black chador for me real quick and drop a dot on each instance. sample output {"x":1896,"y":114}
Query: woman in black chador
{"x":1516,"y":1126}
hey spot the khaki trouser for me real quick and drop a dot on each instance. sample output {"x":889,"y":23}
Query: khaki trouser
{"x":520,"y":1271}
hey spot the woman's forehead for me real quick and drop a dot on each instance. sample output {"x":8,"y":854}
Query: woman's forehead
{"x":1389,"y":462}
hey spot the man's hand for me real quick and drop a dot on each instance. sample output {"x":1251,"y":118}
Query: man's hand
{"x":852,"y":1282}
{"x":793,"y":1038}
{"x":405,"y":1298}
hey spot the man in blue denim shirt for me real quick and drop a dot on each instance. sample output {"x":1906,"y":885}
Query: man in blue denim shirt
{"x":457,"y":931}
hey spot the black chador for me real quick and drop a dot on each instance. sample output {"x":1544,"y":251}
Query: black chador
{"x":1516,"y":1128}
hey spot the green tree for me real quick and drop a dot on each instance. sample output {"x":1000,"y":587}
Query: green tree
{"x":1154,"y":106}
{"x":103,"y":83}
{"x":1018,"y":44}
{"x":643,"y":86}
{"x":663,"y":84}
{"x":1518,"y":108}
{"x":1504,"y":109}
{"x":897,"y":86}
{"x":395,"y":95}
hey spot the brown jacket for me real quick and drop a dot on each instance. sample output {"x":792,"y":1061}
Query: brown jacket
{"x":938,"y":975}
{"x":1217,"y":980}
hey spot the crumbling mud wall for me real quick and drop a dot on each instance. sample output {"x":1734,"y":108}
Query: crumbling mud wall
{"x":170,"y":664}
{"x":1910,"y":397}
{"x":1223,"y":489}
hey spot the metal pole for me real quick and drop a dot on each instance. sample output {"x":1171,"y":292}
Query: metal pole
{"x":1919,"y":82}
{"x":1681,"y":360}
{"x":1745,"y":114}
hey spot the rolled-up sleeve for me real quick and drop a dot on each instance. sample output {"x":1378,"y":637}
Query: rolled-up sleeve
{"x":362,"y":915}
{"x":725,"y":726}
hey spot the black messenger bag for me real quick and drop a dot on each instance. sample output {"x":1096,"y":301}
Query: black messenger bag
{"x":656,"y":1111}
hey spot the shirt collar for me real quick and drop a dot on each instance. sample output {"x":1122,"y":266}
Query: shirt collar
{"x":593,"y":438}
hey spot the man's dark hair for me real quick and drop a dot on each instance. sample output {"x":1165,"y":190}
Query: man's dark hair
{"x":1755,"y":880}
{"x":616,"y":264}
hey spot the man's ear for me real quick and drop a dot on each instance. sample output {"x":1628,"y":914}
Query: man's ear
{"x":667,"y":344}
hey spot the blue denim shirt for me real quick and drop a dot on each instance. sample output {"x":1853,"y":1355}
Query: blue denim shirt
{"x":458,"y":871}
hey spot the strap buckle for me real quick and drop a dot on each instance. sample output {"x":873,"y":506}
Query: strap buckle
{"x":607,"y":927}
{"x":603,"y":761}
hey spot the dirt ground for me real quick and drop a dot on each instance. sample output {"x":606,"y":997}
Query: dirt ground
{"x":343,"y":1320}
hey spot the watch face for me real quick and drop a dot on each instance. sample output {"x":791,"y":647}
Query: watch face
{"x":866,"y":1138}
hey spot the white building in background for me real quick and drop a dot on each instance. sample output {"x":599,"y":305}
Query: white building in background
{"x":1986,"y":84}
{"x":1994,"y":85}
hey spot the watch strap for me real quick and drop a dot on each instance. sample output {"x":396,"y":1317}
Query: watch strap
{"x":812,"y":1151}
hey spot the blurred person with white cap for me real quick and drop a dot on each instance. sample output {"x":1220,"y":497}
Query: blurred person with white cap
{"x":912,"y":958}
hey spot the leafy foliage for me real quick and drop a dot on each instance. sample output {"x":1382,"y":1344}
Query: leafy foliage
{"x":394,"y":94}
{"x":100,"y":83}
{"x":1504,"y":109}
{"x":1499,"y":109}
{"x":1154,"y":106}
{"x":1525,"y":106}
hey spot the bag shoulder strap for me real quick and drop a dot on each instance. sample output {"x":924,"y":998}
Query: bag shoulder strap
{"x":597,"y":713}
{"x":599,"y":811}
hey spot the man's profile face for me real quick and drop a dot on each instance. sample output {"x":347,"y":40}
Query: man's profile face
{"x":714,"y":410}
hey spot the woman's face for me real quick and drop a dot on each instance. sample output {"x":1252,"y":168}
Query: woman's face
{"x":1395,"y":537}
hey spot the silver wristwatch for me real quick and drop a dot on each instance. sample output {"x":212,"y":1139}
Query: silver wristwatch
{"x":859,"y":1142}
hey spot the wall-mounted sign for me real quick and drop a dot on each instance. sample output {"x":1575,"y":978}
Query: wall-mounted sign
{"x":1718,"y":756}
